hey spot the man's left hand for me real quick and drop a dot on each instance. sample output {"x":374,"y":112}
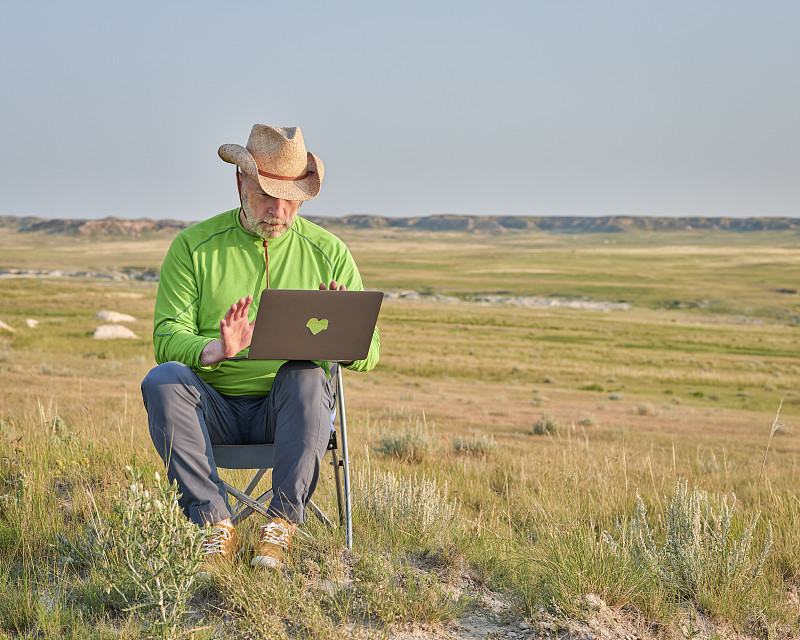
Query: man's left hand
{"x":335,"y":286}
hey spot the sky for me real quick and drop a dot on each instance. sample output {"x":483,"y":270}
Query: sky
{"x":559,"y":107}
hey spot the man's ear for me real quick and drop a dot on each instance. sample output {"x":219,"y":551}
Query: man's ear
{"x":239,"y":185}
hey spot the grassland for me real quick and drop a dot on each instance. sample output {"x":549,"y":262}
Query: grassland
{"x":684,"y":386}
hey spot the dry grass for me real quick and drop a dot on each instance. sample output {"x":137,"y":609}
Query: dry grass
{"x":468,"y":370}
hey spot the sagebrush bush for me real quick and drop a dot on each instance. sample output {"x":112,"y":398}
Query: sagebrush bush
{"x":411,"y":442}
{"x":645,"y":409}
{"x":412,"y":505}
{"x":478,"y":445}
{"x":148,"y":556}
{"x":547,"y":424}
{"x":700,"y":549}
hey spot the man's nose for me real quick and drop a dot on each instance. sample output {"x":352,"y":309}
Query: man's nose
{"x":280,"y":206}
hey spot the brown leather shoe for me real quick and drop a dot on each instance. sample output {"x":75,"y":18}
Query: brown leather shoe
{"x":274,"y":542}
{"x":221,"y":545}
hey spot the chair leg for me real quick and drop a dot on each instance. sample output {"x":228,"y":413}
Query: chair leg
{"x":247,"y":511}
{"x":249,"y":491}
{"x":348,"y":514}
{"x":254,"y":481}
{"x":337,"y":476}
{"x":253,"y":505}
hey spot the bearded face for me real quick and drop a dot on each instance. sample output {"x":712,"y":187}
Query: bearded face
{"x":264,"y":215}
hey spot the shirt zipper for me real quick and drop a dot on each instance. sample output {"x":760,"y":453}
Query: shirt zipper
{"x":266,"y":259}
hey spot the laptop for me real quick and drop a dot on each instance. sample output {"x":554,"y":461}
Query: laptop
{"x":293,"y":324}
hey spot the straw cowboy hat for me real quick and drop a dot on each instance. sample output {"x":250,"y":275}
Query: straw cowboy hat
{"x":276,"y":158}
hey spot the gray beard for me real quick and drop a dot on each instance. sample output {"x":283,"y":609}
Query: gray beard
{"x":255,"y":225}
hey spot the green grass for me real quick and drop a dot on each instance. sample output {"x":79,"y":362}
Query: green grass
{"x":699,"y":365}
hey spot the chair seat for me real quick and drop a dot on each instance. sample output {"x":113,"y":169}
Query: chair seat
{"x":261,"y":457}
{"x":247,"y":456}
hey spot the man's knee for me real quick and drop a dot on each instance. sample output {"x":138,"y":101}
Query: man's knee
{"x":302,"y":377}
{"x":170,"y":393}
{"x":167,"y":373}
{"x":299,"y":368}
{"x":161,"y":393}
{"x":162,"y":383}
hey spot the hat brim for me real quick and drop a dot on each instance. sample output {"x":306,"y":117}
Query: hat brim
{"x":305,"y":189}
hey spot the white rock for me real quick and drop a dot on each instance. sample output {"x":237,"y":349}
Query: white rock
{"x":112,"y":331}
{"x":31,"y":323}
{"x":3,"y":325}
{"x":114,"y":316}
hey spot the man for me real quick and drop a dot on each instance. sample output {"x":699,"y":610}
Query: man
{"x":210,"y":281}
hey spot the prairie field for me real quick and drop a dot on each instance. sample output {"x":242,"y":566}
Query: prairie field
{"x":567,"y":434}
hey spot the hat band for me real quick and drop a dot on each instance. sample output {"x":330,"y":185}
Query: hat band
{"x":274,"y":177}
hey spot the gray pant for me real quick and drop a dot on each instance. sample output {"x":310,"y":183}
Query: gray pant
{"x":186,"y":416}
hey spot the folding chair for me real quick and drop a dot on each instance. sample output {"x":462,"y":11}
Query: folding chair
{"x":262,"y":458}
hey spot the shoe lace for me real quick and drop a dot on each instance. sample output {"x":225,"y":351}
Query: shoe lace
{"x":275,"y":533}
{"x":217,"y":541}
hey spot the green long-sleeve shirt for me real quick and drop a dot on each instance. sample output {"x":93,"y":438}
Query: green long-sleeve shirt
{"x":212,"y":264}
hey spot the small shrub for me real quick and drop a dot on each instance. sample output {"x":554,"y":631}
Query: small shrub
{"x":591,"y":387}
{"x":588,"y":421}
{"x":702,"y":550}
{"x":148,"y":558}
{"x":49,"y":370}
{"x":412,"y":505}
{"x":478,"y":445}
{"x":645,"y":409}
{"x":547,"y":424}
{"x":615,"y":396}
{"x":412,"y":443}
{"x":59,"y":431}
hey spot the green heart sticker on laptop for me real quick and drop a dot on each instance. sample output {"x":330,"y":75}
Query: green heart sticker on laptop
{"x":315,"y":326}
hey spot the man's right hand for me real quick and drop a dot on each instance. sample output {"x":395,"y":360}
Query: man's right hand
{"x":235,"y":334}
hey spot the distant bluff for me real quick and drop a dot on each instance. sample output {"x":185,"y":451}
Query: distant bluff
{"x":561,"y":224}
{"x":105,"y":227}
{"x":143,"y":227}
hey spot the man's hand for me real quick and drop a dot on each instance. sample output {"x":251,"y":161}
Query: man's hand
{"x":234,"y":329}
{"x":335,"y":286}
{"x":235,"y":334}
